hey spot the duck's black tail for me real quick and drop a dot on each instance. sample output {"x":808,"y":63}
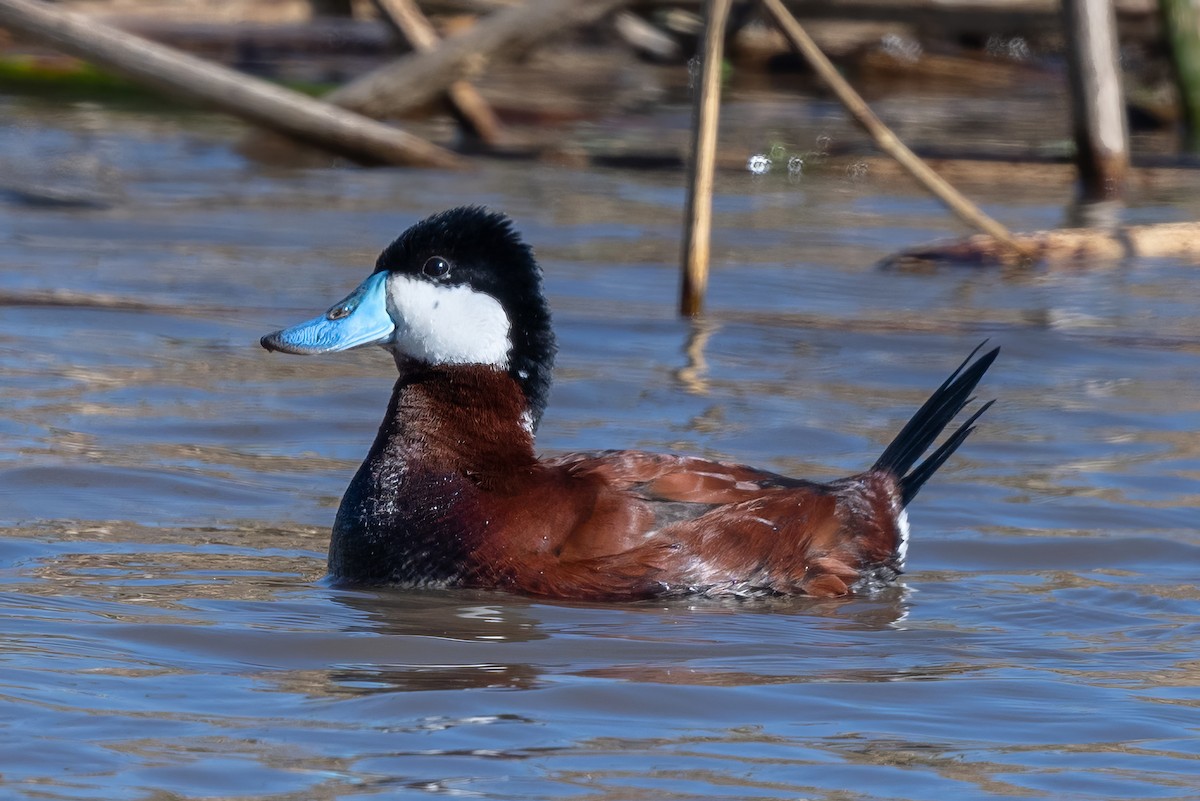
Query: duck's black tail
{"x":925,"y":426}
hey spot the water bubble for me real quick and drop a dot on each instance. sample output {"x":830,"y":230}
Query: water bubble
{"x":759,"y":164}
{"x":795,"y":166}
{"x":823,"y":143}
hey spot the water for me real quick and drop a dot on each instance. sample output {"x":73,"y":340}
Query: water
{"x":166,"y":489}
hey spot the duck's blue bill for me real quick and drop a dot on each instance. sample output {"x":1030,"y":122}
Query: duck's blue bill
{"x":360,"y":319}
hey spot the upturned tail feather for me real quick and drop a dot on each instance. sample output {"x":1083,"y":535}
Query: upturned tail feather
{"x":928,"y":423}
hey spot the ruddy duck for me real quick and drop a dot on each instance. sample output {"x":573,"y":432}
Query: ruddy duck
{"x":452,"y":493}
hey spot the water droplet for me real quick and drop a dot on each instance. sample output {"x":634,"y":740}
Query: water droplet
{"x":795,"y":166}
{"x":759,"y":164}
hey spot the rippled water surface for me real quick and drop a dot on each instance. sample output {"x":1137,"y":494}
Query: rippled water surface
{"x":166,"y":489}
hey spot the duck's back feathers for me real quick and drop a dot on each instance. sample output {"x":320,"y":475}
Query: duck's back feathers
{"x":661,"y":525}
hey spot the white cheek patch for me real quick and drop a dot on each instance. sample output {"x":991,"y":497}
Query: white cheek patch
{"x":441,"y":324}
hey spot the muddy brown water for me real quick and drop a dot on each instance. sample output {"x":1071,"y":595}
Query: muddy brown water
{"x":166,"y":488}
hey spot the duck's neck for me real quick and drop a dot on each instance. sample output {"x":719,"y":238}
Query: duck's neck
{"x":411,"y":512}
{"x":465,"y":419}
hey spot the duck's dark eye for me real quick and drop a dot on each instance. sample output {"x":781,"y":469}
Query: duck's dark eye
{"x":338,"y":312}
{"x":435,"y":267}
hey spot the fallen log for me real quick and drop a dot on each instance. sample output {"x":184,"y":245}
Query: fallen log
{"x":419,"y":77}
{"x":1062,"y":245}
{"x":259,"y":102}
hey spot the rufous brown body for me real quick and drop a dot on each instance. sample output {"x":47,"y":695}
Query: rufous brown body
{"x":452,"y":492}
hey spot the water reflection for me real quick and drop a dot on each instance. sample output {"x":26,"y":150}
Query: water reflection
{"x":423,"y":678}
{"x":427,"y":621}
{"x":693,"y":376}
{"x":465,"y":615}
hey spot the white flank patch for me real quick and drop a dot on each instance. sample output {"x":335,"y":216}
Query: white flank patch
{"x":902,"y":527}
{"x":447,"y":324}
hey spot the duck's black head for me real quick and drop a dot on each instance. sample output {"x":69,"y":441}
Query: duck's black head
{"x":460,"y":287}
